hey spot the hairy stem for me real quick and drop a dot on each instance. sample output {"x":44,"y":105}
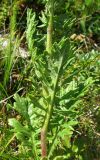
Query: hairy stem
{"x":44,"y":130}
{"x":34,"y":148}
{"x":50,"y":27}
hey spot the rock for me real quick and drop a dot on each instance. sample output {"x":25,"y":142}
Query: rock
{"x":4,"y":41}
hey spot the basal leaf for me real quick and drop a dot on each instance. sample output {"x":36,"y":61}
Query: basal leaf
{"x":18,"y":126}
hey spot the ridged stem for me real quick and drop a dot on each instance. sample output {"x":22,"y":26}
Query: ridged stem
{"x":50,"y":27}
{"x":44,"y":130}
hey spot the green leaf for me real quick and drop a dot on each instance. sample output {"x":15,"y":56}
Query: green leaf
{"x":63,"y":157}
{"x":88,"y":2}
{"x":21,"y":105}
{"x":18,"y":128}
{"x":72,"y":123}
{"x":75,"y":148}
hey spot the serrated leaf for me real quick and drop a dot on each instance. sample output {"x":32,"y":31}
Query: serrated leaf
{"x":21,"y":105}
{"x":17,"y":126}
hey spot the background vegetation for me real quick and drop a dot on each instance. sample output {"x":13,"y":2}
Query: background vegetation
{"x":49,"y":80}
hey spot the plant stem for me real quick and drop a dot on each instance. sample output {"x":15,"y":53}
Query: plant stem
{"x":50,"y":27}
{"x":34,"y":147}
{"x":44,"y":130}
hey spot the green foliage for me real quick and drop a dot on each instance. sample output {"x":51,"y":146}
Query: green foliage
{"x":83,"y":10}
{"x":4,"y":7}
{"x":31,"y":29}
{"x":58,"y":90}
{"x":50,"y":102}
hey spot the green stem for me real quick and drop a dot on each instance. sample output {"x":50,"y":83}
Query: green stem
{"x":34,"y":147}
{"x":50,"y":27}
{"x":44,"y":130}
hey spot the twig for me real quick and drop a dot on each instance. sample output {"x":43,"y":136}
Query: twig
{"x":2,"y":101}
